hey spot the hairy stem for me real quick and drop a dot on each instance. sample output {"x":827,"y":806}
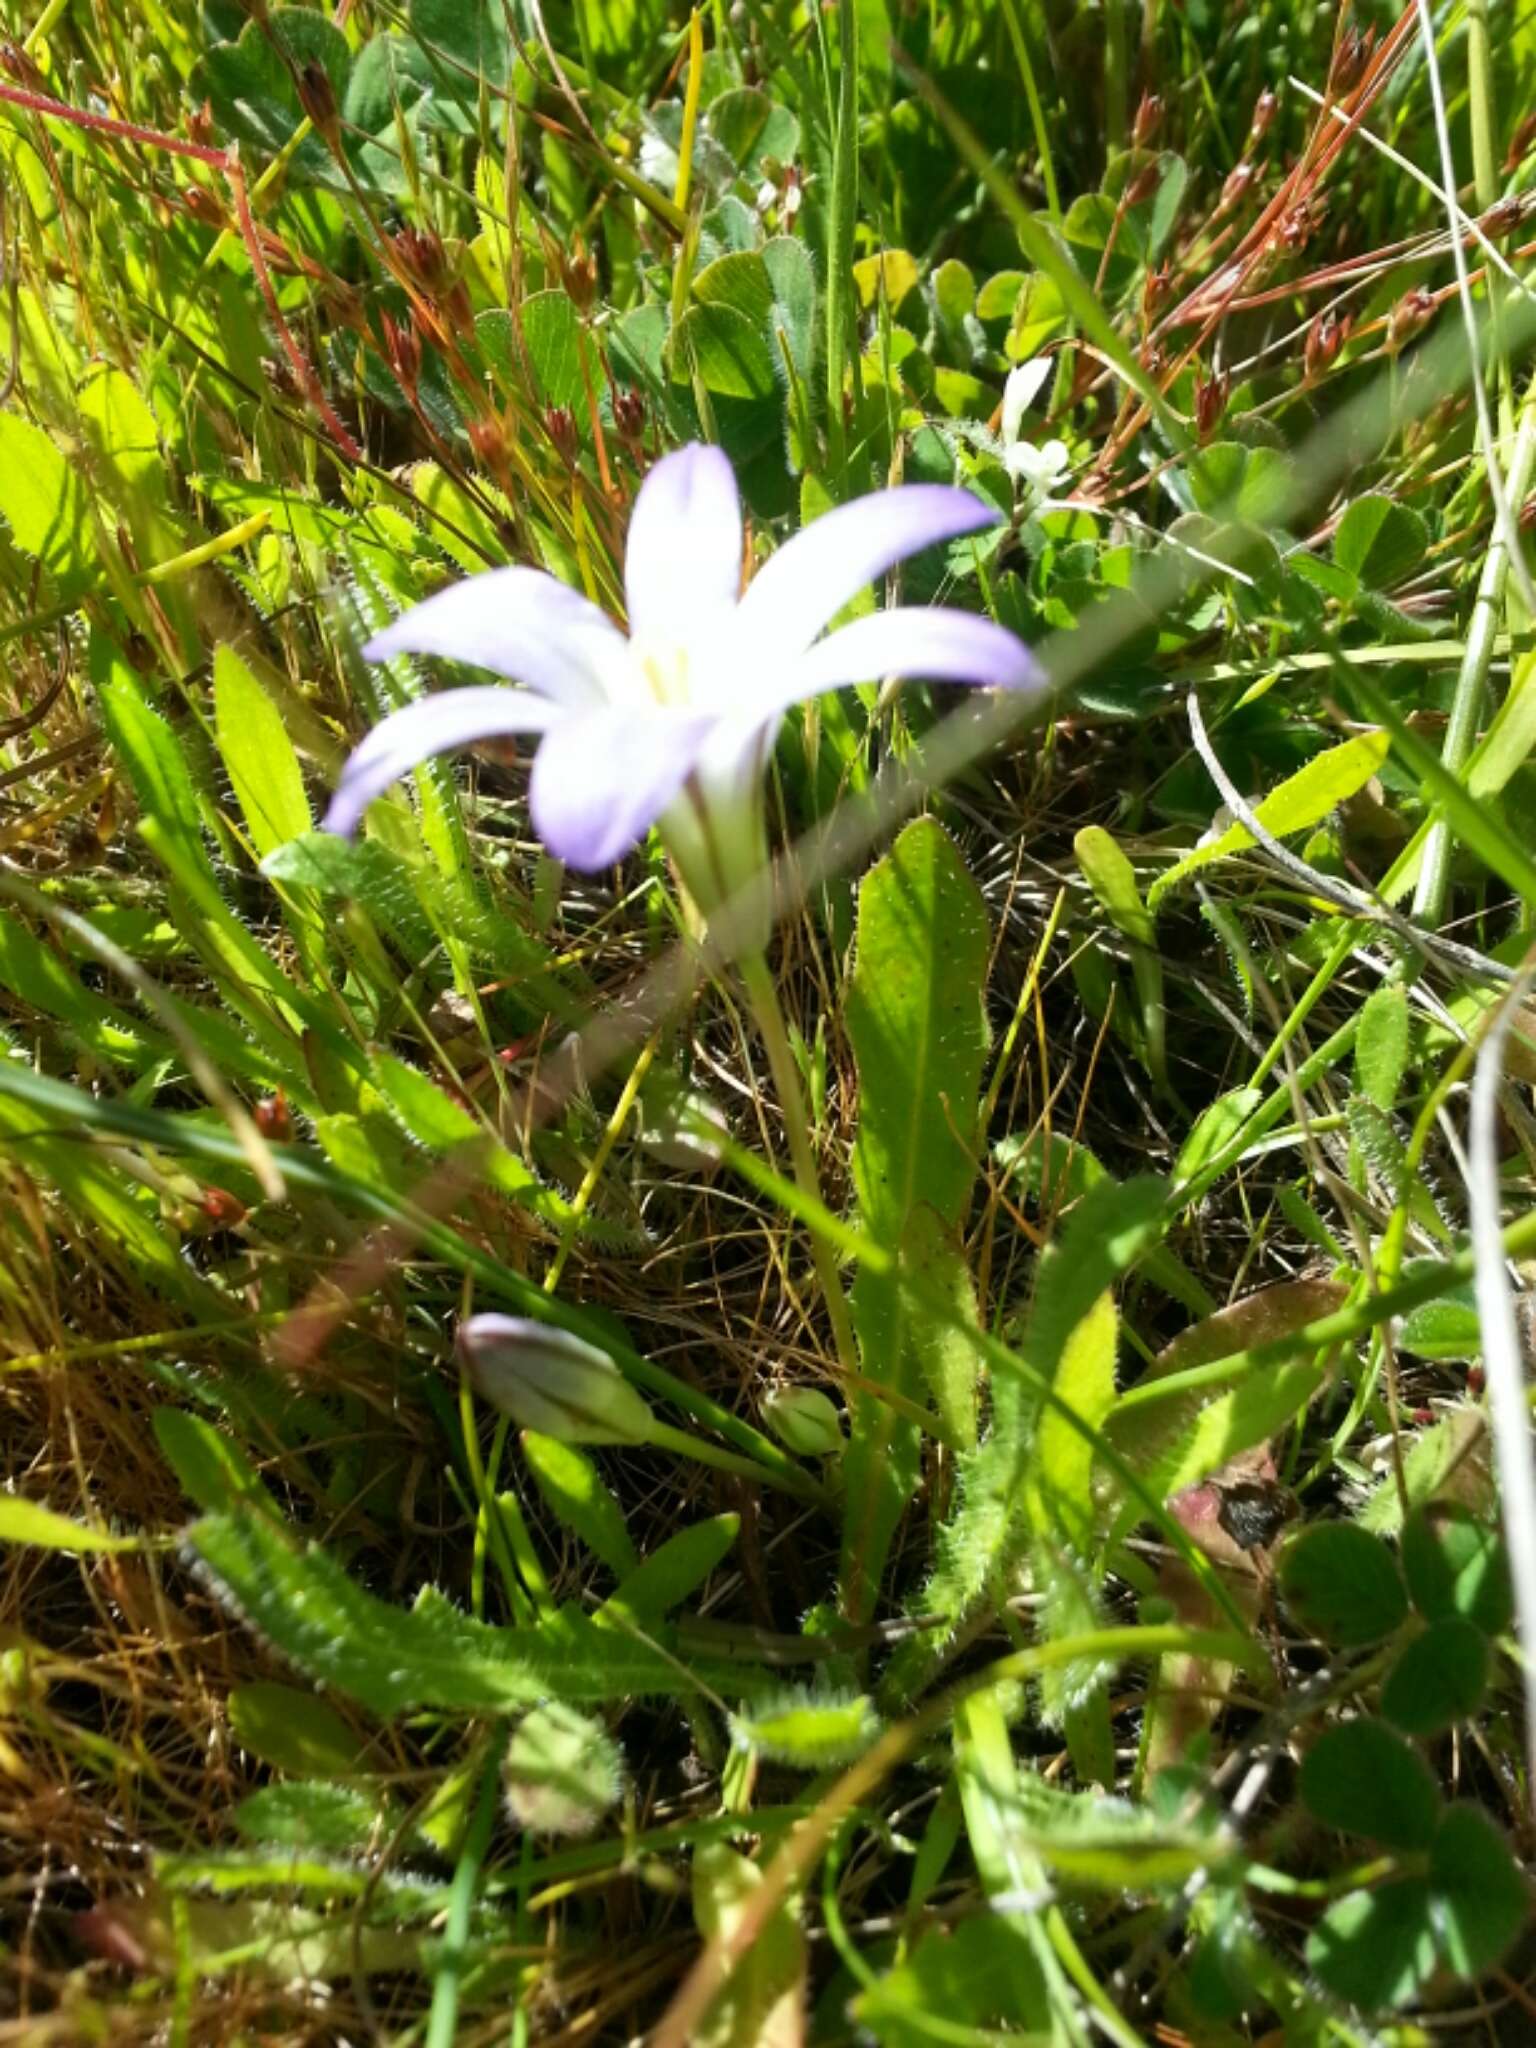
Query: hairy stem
{"x":763,"y":995}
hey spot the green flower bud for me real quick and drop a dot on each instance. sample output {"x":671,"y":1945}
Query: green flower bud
{"x":805,"y":1421}
{"x":675,"y":1127}
{"x":563,"y":1771}
{"x":548,"y":1380}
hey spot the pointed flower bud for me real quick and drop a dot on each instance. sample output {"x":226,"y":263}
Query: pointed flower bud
{"x":548,"y":1380}
{"x":1149,"y":118}
{"x":805,"y":1421}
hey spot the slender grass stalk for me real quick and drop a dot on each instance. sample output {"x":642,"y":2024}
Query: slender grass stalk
{"x":448,"y":1976}
{"x":840,"y":233}
{"x":1037,"y":120}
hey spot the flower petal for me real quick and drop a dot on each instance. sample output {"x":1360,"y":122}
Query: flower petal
{"x":829,"y":562}
{"x":683,"y":555}
{"x":601,"y":780}
{"x":913,"y":640}
{"x":432,"y":725}
{"x":519,"y":622}
{"x":1020,"y":392}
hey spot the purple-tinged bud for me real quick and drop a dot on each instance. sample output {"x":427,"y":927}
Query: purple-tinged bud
{"x":317,"y":96}
{"x":488,"y":438}
{"x":422,"y":257}
{"x":805,"y":1421}
{"x":402,"y":351}
{"x":1349,"y":62}
{"x":550,"y":1381}
{"x":628,"y":412}
{"x":1210,"y":401}
{"x":1325,"y":337}
{"x":1149,"y":118}
{"x":1264,"y":110}
{"x":1238,"y":179}
{"x":1410,"y":316}
{"x":560,"y":425}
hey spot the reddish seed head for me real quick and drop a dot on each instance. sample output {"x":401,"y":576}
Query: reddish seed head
{"x":1422,"y":1417}
{"x":221,"y":1207}
{"x":402,"y":351}
{"x":422,"y":256}
{"x":200,"y":124}
{"x":1477,"y":1380}
{"x":560,"y":425}
{"x":628,"y":412}
{"x":1264,"y":108}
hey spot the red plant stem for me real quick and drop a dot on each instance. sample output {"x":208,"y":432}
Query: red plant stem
{"x":303,"y":369}
{"x":105,"y":124}
{"x":226,"y":162}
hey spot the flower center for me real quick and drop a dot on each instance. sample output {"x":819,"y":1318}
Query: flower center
{"x":664,"y":672}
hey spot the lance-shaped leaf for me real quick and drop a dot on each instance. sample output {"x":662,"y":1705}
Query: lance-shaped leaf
{"x":919,"y":1033}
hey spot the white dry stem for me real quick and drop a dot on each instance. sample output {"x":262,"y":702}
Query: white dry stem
{"x":1503,"y":1357}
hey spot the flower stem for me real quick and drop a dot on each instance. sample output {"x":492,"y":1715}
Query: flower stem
{"x":664,"y":1438}
{"x":763,"y":995}
{"x":442,"y":2022}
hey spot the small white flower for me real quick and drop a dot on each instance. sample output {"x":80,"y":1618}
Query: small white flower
{"x":1041,"y":471}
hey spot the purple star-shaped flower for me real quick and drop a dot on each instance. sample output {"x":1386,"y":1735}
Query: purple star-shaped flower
{"x":672,"y":724}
